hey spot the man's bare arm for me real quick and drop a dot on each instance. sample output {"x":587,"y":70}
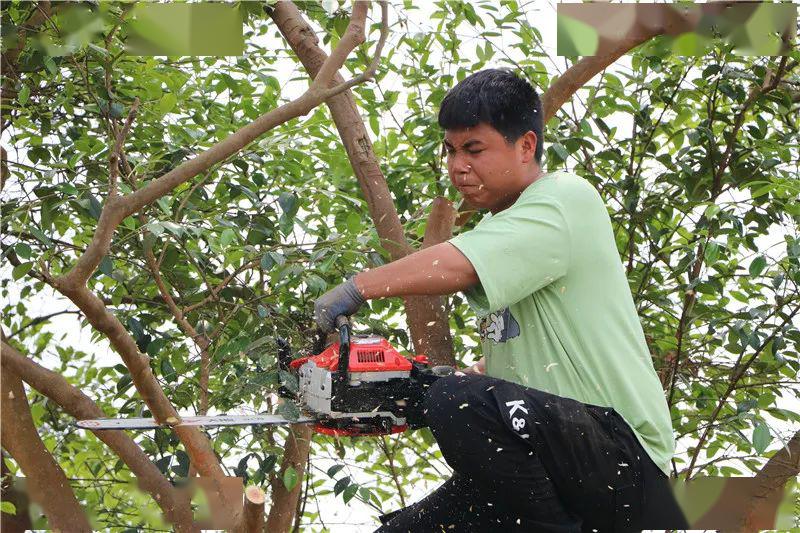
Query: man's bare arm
{"x":440,"y":269}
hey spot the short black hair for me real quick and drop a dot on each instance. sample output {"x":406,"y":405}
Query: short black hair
{"x":499,"y":98}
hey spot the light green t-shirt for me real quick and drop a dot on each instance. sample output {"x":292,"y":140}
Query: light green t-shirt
{"x":555,"y":309}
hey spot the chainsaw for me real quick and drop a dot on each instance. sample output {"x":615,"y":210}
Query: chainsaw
{"x":357,"y":386}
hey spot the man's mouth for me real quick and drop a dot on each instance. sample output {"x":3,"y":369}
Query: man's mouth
{"x":470,"y":189}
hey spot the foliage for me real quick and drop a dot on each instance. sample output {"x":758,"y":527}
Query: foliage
{"x":285,"y":217}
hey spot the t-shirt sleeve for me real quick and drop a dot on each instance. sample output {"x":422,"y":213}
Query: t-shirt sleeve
{"x":519,"y":250}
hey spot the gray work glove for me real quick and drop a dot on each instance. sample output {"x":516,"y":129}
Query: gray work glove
{"x":343,"y":299}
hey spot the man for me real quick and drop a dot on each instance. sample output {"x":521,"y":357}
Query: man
{"x":562,"y":425}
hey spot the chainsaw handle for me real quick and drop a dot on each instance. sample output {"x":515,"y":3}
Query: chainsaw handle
{"x":343,"y":369}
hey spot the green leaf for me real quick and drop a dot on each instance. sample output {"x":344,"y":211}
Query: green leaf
{"x":761,"y":438}
{"x":289,"y":380}
{"x":374,"y":126}
{"x":106,"y":266}
{"x":268,"y":463}
{"x":168,"y":371}
{"x":50,"y":65}
{"x":181,"y":467}
{"x":8,"y":508}
{"x":21,"y":270}
{"x":289,"y":410}
{"x":711,"y":253}
{"x":288,"y":202}
{"x":560,"y":150}
{"x":289,"y":478}
{"x":349,"y":492}
{"x":22,"y":250}
{"x":712,"y":210}
{"x":227,"y":237}
{"x":136,"y":328}
{"x":123,"y":383}
{"x":24,"y":94}
{"x":340,"y":485}
{"x":332,"y":471}
{"x":761,"y":191}
{"x":758,"y":265}
{"x":354,"y":223}
{"x":167,"y":103}
{"x":39,"y":234}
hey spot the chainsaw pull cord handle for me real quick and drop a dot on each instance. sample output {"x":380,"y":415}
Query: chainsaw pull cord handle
{"x":343,"y":325}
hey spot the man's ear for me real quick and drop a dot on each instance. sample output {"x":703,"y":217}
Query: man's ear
{"x":529,"y":142}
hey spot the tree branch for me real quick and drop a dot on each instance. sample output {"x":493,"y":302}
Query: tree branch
{"x":176,"y":507}
{"x":117,"y":150}
{"x":116,"y":208}
{"x":780,"y":468}
{"x":430,"y":331}
{"x":47,"y":484}
{"x":295,"y":455}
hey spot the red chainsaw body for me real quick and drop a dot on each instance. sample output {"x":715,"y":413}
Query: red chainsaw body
{"x":372,"y":361}
{"x":368,"y":353}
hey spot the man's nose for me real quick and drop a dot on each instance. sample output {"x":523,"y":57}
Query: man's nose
{"x":460,"y":167}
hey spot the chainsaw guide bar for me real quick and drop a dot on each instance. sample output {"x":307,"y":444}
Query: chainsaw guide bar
{"x":207,"y":421}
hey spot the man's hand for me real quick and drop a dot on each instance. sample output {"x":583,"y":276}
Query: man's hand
{"x":344,"y":299}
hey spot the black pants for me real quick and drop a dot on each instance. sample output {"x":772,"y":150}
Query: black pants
{"x":526,"y":460}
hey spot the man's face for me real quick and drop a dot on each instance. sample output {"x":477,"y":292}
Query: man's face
{"x":487,"y":171}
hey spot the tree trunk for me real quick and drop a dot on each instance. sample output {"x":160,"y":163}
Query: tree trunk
{"x":284,"y":503}
{"x":47,"y":485}
{"x":780,"y":468}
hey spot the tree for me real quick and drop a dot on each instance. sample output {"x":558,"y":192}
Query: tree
{"x":189,"y":240}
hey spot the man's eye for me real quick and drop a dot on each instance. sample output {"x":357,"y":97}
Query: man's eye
{"x":473,"y":152}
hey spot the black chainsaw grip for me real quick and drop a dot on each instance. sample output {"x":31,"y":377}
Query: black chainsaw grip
{"x":343,"y":325}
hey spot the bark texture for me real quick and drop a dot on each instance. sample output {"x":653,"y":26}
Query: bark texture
{"x":175,"y":505}
{"x":47,"y":485}
{"x":780,"y":468}
{"x":253,"y":515}
{"x":425,"y":314}
{"x":295,"y":455}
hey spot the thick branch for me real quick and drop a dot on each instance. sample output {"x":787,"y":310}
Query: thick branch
{"x":649,"y":20}
{"x":197,"y":445}
{"x":295,"y":455}
{"x":116,"y":208}
{"x":176,"y":507}
{"x":253,"y":515}
{"x":433,"y":340}
{"x":304,"y":42}
{"x":47,"y":484}
{"x":780,"y":468}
